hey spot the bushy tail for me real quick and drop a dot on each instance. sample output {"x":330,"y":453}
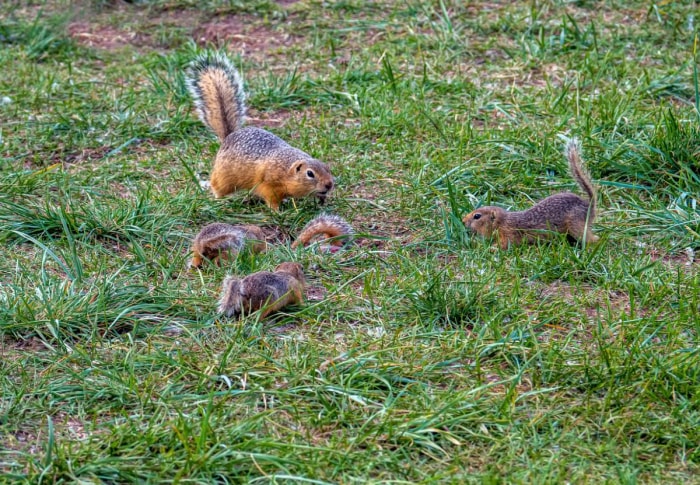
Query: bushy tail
{"x":217,"y":91}
{"x":230,"y":302}
{"x":326,"y":226}
{"x":583,"y":179}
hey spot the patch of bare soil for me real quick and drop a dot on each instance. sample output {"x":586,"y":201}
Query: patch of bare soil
{"x":85,"y":154}
{"x":616,"y":301}
{"x":22,"y":440}
{"x":271,"y":119}
{"x":38,"y":161}
{"x":274,"y":235}
{"x":11,"y":349}
{"x":315,"y":293}
{"x":687,"y":258}
{"x":242,"y":35}
{"x":395,"y":230}
{"x":31,"y":441}
{"x":105,"y":36}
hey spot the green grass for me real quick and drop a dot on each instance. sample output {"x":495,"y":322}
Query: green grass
{"x":423,"y":354}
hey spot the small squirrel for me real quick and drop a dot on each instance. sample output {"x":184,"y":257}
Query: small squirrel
{"x":219,"y":239}
{"x":249,"y":158}
{"x":565,"y":213}
{"x":268,"y":290}
{"x":327,"y":226}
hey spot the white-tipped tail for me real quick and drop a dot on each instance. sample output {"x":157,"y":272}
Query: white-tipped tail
{"x":217,"y":91}
{"x":579,"y":173}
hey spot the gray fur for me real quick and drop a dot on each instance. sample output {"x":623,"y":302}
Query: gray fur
{"x":259,"y":289}
{"x":230,"y":302}
{"x":232,"y":100}
{"x":220,"y":236}
{"x":331,"y":220}
{"x":579,"y":173}
{"x":270,"y":287}
{"x":555,"y":209}
{"x":259,"y":144}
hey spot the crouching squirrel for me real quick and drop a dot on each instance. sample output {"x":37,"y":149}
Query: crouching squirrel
{"x":219,"y":240}
{"x":249,"y":158}
{"x":270,"y":291}
{"x":565,"y":213}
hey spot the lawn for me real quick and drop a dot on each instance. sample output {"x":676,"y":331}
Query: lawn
{"x":422,"y":353}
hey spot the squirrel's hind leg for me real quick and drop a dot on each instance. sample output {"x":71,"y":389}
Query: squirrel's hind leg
{"x":581,"y":229}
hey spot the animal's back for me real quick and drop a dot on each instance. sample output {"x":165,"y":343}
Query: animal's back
{"x":551,"y":213}
{"x":255,"y":144}
{"x":265,"y":287}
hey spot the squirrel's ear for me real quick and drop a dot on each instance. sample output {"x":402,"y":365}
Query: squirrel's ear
{"x":493,"y":216}
{"x":297,"y":166}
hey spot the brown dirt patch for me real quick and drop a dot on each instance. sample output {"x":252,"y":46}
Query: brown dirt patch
{"x":365,"y":218}
{"x":617,"y":301}
{"x":105,"y":36}
{"x":63,"y":157}
{"x":240,"y":33}
{"x":85,"y":154}
{"x":315,"y":293}
{"x":688,"y":258}
{"x":11,"y":349}
{"x":275,"y":235}
{"x":32,"y":442}
{"x":271,"y":119}
{"x":22,"y":440}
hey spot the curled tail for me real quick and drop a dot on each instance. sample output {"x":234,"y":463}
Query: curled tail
{"x":231,"y":299}
{"x":583,"y":179}
{"x":217,"y":91}
{"x":326,"y":226}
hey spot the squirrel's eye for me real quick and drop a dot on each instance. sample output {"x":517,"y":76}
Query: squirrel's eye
{"x":477,"y":216}
{"x":310,"y":173}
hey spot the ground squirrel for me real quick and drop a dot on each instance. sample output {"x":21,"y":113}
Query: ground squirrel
{"x":565,"y":213}
{"x":218,"y":240}
{"x":249,"y":158}
{"x":327,"y":226}
{"x":268,"y":290}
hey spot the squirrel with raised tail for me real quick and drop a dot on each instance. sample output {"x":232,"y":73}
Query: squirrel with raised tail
{"x":249,"y":158}
{"x":218,"y":240}
{"x":270,"y":291}
{"x":564,"y":213}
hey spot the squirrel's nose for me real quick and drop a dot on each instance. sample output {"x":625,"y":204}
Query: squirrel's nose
{"x":329,"y":185}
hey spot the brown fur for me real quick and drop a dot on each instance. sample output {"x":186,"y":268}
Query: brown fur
{"x":564,"y":213}
{"x":269,"y":291}
{"x":325,"y":226}
{"x":249,"y":158}
{"x":219,"y":240}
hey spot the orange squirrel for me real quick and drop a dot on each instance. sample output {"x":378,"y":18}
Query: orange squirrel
{"x":249,"y":158}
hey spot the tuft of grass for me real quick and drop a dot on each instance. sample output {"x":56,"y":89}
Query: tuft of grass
{"x":39,"y":39}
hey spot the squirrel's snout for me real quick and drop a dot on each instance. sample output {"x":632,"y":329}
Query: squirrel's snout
{"x":329,"y":186}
